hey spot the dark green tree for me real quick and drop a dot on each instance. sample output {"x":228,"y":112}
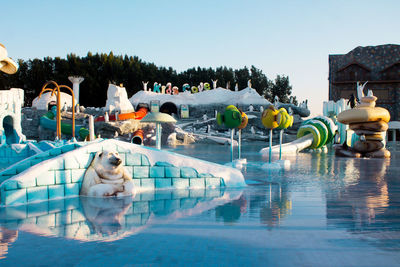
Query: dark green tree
{"x":281,"y":88}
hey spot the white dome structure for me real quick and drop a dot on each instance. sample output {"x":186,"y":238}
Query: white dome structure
{"x":46,"y":98}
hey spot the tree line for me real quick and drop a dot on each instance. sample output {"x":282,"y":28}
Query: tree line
{"x":101,"y":69}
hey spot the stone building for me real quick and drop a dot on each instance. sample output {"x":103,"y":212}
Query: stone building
{"x":379,"y":65}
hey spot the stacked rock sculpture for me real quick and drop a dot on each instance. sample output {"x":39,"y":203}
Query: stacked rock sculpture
{"x":370,"y":123}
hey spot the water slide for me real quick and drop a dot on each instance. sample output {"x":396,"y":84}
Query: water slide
{"x":138,"y":115}
{"x":47,"y":121}
{"x":313,"y":133}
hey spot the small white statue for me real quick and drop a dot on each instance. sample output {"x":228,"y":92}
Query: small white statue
{"x":228,"y":85}
{"x":236,"y":87}
{"x":249,"y":83}
{"x":201,"y":87}
{"x":214,"y":83}
{"x":251,"y":108}
{"x":145,"y":85}
{"x":261,"y":109}
{"x":205,"y":117}
{"x":276,"y":101}
{"x":360,"y":90}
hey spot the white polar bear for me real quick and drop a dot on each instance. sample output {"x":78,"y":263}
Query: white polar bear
{"x":107,"y":177}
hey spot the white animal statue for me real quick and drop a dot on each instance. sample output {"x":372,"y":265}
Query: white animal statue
{"x":145,"y":85}
{"x":360,"y":90}
{"x":201,"y":87}
{"x":106,"y":176}
{"x":214,"y":83}
{"x":276,"y":101}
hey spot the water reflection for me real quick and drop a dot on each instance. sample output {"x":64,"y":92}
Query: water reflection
{"x":363,"y":202}
{"x":7,"y":237}
{"x":107,"y":219}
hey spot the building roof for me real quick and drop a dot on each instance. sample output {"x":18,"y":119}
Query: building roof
{"x":375,"y":58}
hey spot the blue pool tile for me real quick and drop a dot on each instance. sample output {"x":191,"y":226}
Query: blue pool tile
{"x":27,"y":182}
{"x":56,"y":191}
{"x":204,"y":175}
{"x":72,"y":189}
{"x":14,"y":197}
{"x":172,"y":172}
{"x":180,"y":183}
{"x":140,"y":171}
{"x":163,"y":183}
{"x":55,"y":151}
{"x":188,"y":172}
{"x":38,"y":193}
{"x":63,"y":176}
{"x":163,"y":164}
{"x":145,"y":161}
{"x":157,"y":172}
{"x":10,"y":171}
{"x":147,"y":183}
{"x":22,"y":166}
{"x":45,"y":178}
{"x":57,"y":164}
{"x":10,"y":185}
{"x":71,"y":162}
{"x":67,"y":148}
{"x":133,"y":159}
{"x":77,"y":175}
{"x":197,"y":183}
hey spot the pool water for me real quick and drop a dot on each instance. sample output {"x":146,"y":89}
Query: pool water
{"x":324,"y":211}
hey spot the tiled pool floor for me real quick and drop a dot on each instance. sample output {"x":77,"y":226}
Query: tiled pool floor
{"x":324,"y":211}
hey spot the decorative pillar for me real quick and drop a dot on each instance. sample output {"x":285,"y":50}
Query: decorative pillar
{"x":76,"y":80}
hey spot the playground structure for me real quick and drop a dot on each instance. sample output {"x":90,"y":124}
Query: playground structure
{"x":47,"y":120}
{"x":314,"y":133}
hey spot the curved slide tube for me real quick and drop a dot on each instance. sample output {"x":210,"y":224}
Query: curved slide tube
{"x":314,"y":133}
{"x":138,"y":115}
{"x":48,"y":122}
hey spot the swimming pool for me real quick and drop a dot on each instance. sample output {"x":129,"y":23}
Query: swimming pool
{"x":325,"y":210}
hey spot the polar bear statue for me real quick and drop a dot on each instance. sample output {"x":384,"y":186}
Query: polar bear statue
{"x":107,"y":177}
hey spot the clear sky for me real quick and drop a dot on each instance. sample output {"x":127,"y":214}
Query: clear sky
{"x":280,"y":37}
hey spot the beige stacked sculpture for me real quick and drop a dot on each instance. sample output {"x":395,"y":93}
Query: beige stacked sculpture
{"x":368,"y":122}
